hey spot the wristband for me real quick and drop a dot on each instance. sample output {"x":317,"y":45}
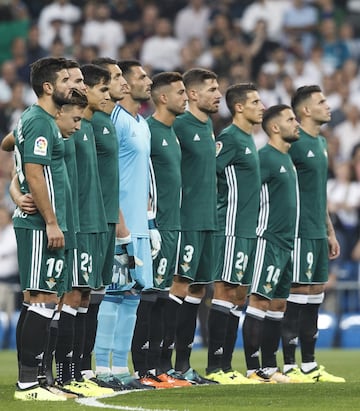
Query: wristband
{"x":151,"y":220}
{"x":123,"y":240}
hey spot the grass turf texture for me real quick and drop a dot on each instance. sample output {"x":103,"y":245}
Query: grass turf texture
{"x":290,"y":397}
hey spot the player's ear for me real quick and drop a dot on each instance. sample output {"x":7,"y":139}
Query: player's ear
{"x":238,"y":107}
{"x":48,"y":88}
{"x":305,"y":110}
{"x":163,"y":98}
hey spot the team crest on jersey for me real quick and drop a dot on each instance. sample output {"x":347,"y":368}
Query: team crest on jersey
{"x":185,"y":267}
{"x":308,"y":273}
{"x":240,"y":275}
{"x":51,"y":283}
{"x":40,"y":146}
{"x":267,"y":288}
{"x":85,"y":275}
{"x":218,"y":147}
{"x":159,"y":279}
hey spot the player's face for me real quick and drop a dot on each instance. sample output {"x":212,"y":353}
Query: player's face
{"x":98,"y":96}
{"x":176,"y":98}
{"x":208,"y":96}
{"x":289,"y":127}
{"x":68,"y":119}
{"x":62,"y":89}
{"x":139,"y":84}
{"x":118,"y":85}
{"x":77,"y":79}
{"x":253,"y":108}
{"x":319,"y":108}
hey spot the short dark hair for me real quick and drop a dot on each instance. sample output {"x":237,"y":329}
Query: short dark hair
{"x":197,"y":76}
{"x":163,"y":79}
{"x":70,"y":63}
{"x":104,"y":62}
{"x":78,"y":99}
{"x":94,"y":75}
{"x":271,"y":113}
{"x":237,"y":93}
{"x":45,"y":70}
{"x":127,"y":65}
{"x":302,"y":94}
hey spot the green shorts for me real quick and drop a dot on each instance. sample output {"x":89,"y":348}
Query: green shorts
{"x":196,"y":256}
{"x":164,"y":266}
{"x":272,"y":274}
{"x":108,"y":242}
{"x":311,"y":261}
{"x":233,"y":256}
{"x":40,"y":268}
{"x":70,"y":269}
{"x":90,"y":259}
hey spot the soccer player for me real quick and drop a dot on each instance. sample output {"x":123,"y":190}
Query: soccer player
{"x":39,"y":155}
{"x":122,"y":296}
{"x":238,"y":191}
{"x":316,"y":242}
{"x":69,"y":335}
{"x":271,"y":264}
{"x":62,"y":326}
{"x":198,"y":214}
{"x":92,"y":239}
{"x":169,"y":97}
{"x":107,"y":151}
{"x":68,"y":119}
{"x":107,"y":156}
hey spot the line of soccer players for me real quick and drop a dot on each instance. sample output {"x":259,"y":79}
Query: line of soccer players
{"x":179,"y":209}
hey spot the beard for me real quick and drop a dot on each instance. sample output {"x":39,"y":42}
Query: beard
{"x":209,"y":110}
{"x":290,"y":139}
{"x":60,"y":99}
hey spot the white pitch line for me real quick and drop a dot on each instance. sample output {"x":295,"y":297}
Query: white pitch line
{"x":94,"y":402}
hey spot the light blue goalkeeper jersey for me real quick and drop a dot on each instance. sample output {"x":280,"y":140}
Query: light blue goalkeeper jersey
{"x":134,"y":158}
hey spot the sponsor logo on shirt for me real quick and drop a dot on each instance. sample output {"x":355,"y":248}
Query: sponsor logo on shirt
{"x":248,"y":151}
{"x":40,"y":147}
{"x":310,"y":154}
{"x":85,"y":138}
{"x":106,"y":131}
{"x":282,"y":169}
{"x":218,"y":147}
{"x":164,"y":143}
{"x":196,"y":137}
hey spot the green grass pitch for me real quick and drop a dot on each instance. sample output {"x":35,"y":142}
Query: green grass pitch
{"x":289,"y":397}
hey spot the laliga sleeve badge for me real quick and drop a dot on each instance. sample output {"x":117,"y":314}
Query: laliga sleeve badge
{"x":218,"y":147}
{"x":40,"y":146}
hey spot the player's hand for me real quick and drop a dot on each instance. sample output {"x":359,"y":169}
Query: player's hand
{"x":124,"y":261}
{"x":55,"y":236}
{"x":155,"y":237}
{"x":26,"y":204}
{"x":334,"y":247}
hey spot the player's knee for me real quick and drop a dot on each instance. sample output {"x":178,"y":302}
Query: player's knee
{"x":316,"y":289}
{"x":197,"y":290}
